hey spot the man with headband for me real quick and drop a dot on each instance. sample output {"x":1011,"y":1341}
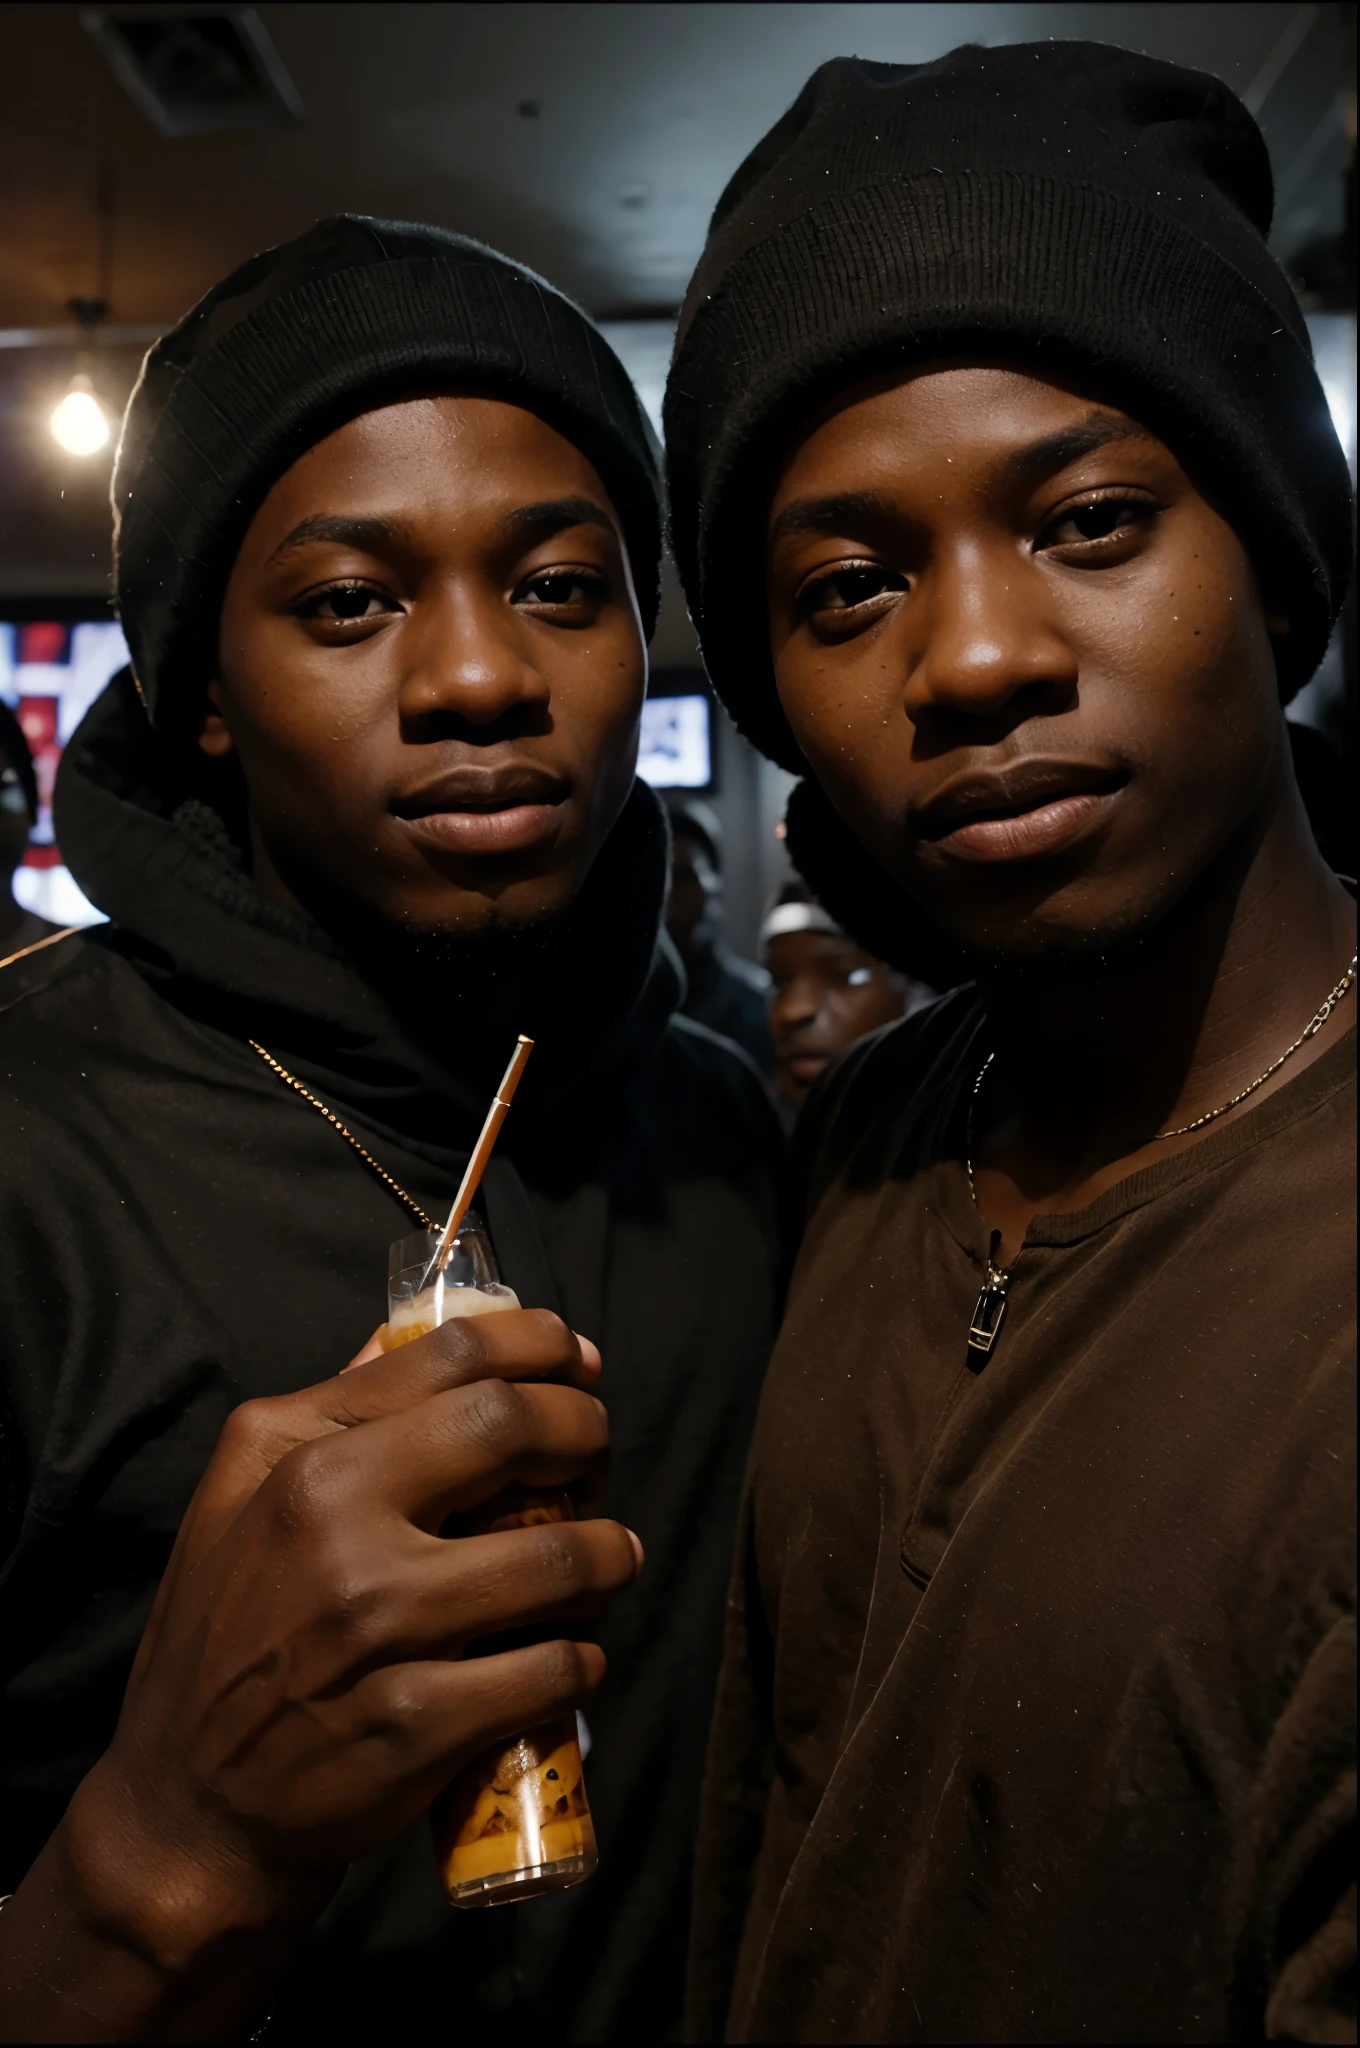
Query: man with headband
{"x":365,"y":808}
{"x":826,"y":992}
{"x":1011,"y":514}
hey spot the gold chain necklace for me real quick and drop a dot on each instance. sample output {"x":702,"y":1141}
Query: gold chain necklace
{"x":292,"y":1080}
{"x":331,"y":1118}
{"x":1310,"y":1030}
{"x":990,"y":1312}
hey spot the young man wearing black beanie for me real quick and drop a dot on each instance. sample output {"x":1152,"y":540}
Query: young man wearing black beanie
{"x":1009,"y":506}
{"x":364,"y":808}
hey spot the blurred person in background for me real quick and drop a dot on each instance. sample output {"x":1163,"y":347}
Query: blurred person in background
{"x":364,"y":808}
{"x":723,"y":991}
{"x":825,"y":991}
{"x":19,"y":928}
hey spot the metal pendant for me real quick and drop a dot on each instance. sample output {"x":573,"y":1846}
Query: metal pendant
{"x":988,"y":1317}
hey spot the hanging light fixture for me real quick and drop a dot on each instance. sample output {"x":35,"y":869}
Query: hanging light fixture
{"x":79,"y":422}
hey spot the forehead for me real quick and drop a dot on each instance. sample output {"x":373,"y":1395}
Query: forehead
{"x":959,"y":417}
{"x":431,"y":454}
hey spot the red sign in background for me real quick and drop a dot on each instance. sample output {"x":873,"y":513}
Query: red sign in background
{"x":37,"y":718}
{"x":50,"y":673}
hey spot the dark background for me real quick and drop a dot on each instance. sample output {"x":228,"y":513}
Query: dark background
{"x":590,"y":141}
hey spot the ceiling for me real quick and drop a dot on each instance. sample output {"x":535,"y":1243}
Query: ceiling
{"x":590,"y":141}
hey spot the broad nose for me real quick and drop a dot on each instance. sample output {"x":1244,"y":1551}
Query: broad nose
{"x":799,"y":1002}
{"x":470,"y":660}
{"x":988,"y":644}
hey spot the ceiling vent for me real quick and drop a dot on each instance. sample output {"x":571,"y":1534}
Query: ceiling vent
{"x":197,"y":70}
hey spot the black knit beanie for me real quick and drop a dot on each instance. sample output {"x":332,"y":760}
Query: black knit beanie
{"x":294,"y":343}
{"x":1102,"y":213}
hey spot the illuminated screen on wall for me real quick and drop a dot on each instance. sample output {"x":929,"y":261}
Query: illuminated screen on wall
{"x":50,"y":673}
{"x":676,"y":751}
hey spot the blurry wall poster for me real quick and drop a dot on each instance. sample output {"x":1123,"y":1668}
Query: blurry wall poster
{"x":676,"y":747}
{"x":50,"y":674}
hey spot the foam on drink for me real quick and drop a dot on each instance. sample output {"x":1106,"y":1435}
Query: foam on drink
{"x":440,"y":1303}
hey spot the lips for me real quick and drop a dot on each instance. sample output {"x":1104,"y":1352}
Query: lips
{"x":805,"y":1067}
{"x":485,"y":810}
{"x":1023,"y":811}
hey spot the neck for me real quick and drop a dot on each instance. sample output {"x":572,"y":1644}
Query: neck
{"x":1093,"y":1060}
{"x":447,"y":990}
{"x":474,"y":995}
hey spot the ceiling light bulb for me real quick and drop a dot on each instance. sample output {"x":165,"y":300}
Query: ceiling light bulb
{"x":79,"y":424}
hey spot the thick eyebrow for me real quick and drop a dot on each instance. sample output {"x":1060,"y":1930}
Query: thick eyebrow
{"x":839,"y":513}
{"x":847,"y":511}
{"x":370,"y":536}
{"x":531,"y":524}
{"x":527,"y":525}
{"x":1033,"y":465}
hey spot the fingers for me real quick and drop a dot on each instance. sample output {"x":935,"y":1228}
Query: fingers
{"x":516,"y":1344}
{"x":441,"y":1715}
{"x":374,"y":1349}
{"x":441,"y":1457}
{"x":455,"y":1592}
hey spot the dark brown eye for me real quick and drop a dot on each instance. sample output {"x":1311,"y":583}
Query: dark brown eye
{"x":347,"y":604}
{"x":564,"y":587}
{"x":344,"y":603}
{"x":1099,"y":519}
{"x":847,"y":589}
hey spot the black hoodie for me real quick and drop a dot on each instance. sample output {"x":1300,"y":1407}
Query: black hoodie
{"x":181,"y":1231}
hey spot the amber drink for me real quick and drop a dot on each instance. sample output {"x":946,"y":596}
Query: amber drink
{"x":516,"y":1821}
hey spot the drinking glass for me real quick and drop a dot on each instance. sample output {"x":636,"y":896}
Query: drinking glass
{"x":516,"y":1821}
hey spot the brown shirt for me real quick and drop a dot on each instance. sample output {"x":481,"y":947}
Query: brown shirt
{"x":1054,"y":1661}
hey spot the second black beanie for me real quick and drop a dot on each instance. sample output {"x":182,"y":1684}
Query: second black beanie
{"x":352,"y":314}
{"x":1100,"y":212}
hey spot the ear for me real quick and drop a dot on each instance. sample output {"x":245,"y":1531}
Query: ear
{"x":213,"y":736}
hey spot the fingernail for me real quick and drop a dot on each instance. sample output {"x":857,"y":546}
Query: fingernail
{"x":639,"y":1554}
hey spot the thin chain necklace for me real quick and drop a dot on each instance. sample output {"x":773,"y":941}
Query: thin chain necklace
{"x":990,"y":1312}
{"x":331,"y":1118}
{"x":426,"y":1222}
{"x":51,"y":940}
{"x":292,"y":1080}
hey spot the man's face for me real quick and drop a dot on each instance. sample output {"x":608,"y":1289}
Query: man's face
{"x":695,"y":896}
{"x":826,"y":994}
{"x":431,"y":668}
{"x":1028,"y":662}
